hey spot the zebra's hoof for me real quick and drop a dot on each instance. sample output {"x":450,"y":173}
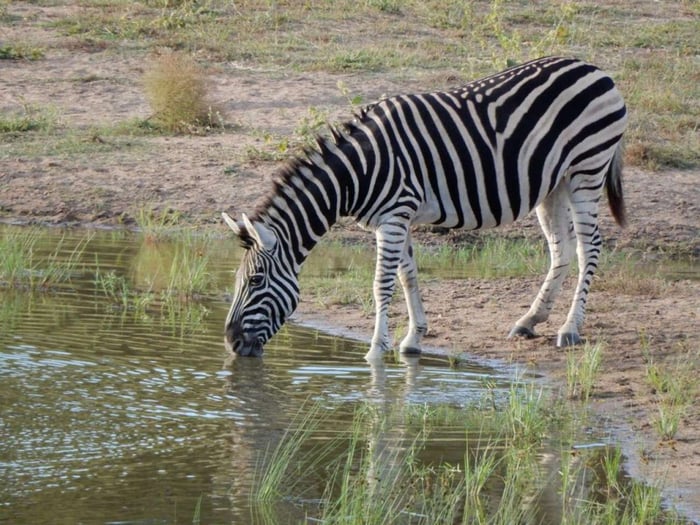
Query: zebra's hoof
{"x":568,"y":339}
{"x":521,"y":331}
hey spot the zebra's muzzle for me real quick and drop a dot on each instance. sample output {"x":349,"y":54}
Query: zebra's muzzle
{"x":237,"y":343}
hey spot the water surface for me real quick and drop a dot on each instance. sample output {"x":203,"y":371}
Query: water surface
{"x":113,"y":415}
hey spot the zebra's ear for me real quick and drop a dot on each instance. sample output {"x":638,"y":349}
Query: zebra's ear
{"x":250,"y":233}
{"x":259,"y":233}
{"x":231,"y":223}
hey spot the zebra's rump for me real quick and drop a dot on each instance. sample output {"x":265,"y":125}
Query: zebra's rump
{"x":489,"y":152}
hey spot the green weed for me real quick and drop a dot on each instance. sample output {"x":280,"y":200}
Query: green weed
{"x":158,"y":225}
{"x":25,"y":263}
{"x":675,"y":388}
{"x":668,"y":418}
{"x":30,"y":118}
{"x":20,"y":52}
{"x":582,"y":368}
{"x":375,"y":470}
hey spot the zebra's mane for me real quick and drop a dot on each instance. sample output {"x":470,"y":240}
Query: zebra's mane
{"x":311,"y":155}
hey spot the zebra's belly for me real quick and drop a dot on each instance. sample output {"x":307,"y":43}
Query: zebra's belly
{"x":448,"y":216}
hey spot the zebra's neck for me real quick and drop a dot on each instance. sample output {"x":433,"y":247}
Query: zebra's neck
{"x":309,"y":197}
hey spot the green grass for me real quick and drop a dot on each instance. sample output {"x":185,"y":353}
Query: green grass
{"x":674,"y":385}
{"x":159,"y":224}
{"x":20,"y":52}
{"x":487,"y":257}
{"x":29,"y":118}
{"x":25,"y":263}
{"x":188,"y":273}
{"x":582,"y":368}
{"x":375,"y":473}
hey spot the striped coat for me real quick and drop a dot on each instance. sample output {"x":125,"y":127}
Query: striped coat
{"x":545,"y":135}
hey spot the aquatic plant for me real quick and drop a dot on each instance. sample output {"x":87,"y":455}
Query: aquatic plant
{"x":188,"y":274}
{"x":158,"y":225}
{"x":24,"y":262}
{"x":375,"y":470}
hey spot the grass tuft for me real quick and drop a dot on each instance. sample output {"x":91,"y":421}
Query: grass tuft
{"x":20,"y":52}
{"x":582,"y":367}
{"x":177,"y":90}
{"x":23,"y":263}
{"x":29,"y":118}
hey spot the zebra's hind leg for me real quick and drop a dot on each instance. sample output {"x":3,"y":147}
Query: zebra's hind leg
{"x":391,"y":239}
{"x":585,"y":195}
{"x":418,"y":324}
{"x":555,"y":219}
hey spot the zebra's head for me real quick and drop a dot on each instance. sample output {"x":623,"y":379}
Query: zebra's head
{"x":266,"y":290}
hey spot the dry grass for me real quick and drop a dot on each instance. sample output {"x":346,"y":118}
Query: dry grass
{"x":177,"y":91}
{"x":648,"y":46}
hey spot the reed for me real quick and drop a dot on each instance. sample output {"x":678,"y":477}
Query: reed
{"x":25,"y":262}
{"x":375,"y":471}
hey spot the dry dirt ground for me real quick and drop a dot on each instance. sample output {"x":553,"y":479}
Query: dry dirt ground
{"x":103,"y":179}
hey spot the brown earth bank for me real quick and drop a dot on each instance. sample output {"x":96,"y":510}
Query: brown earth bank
{"x":104,"y":179}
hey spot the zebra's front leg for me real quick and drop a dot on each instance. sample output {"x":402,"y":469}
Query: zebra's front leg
{"x":391,"y":238}
{"x":417,"y":322}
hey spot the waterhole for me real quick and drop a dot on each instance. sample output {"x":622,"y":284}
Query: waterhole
{"x":118,"y":405}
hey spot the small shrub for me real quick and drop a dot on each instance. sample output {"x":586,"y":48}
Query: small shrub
{"x":177,"y":91}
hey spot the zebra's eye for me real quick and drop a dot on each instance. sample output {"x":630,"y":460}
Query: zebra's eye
{"x":256,"y":279}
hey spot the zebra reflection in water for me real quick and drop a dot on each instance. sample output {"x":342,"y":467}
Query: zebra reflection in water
{"x":545,"y":135}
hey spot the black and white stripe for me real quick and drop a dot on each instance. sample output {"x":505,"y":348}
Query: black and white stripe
{"x":545,"y":135}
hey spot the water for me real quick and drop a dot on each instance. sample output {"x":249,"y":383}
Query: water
{"x":124,"y":416}
{"x":114,"y":414}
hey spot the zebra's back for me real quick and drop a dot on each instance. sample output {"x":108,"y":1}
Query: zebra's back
{"x":488,"y":153}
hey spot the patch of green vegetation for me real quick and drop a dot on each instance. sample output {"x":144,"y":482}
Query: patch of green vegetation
{"x":276,"y":148}
{"x":189,"y":275}
{"x":158,"y":225}
{"x":664,"y":100}
{"x":674,"y":385}
{"x":650,"y":56}
{"x":374,"y":468}
{"x":20,"y":52}
{"x":23,"y":264}
{"x":67,"y":144}
{"x":489,"y":257}
{"x":582,"y":368}
{"x":30,"y":118}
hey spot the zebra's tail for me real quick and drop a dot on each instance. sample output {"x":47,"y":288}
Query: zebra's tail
{"x":613,"y":187}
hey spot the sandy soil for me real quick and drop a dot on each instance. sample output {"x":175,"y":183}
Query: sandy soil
{"x":105,"y":180}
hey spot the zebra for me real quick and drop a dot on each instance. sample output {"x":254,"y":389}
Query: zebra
{"x":544,"y":135}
